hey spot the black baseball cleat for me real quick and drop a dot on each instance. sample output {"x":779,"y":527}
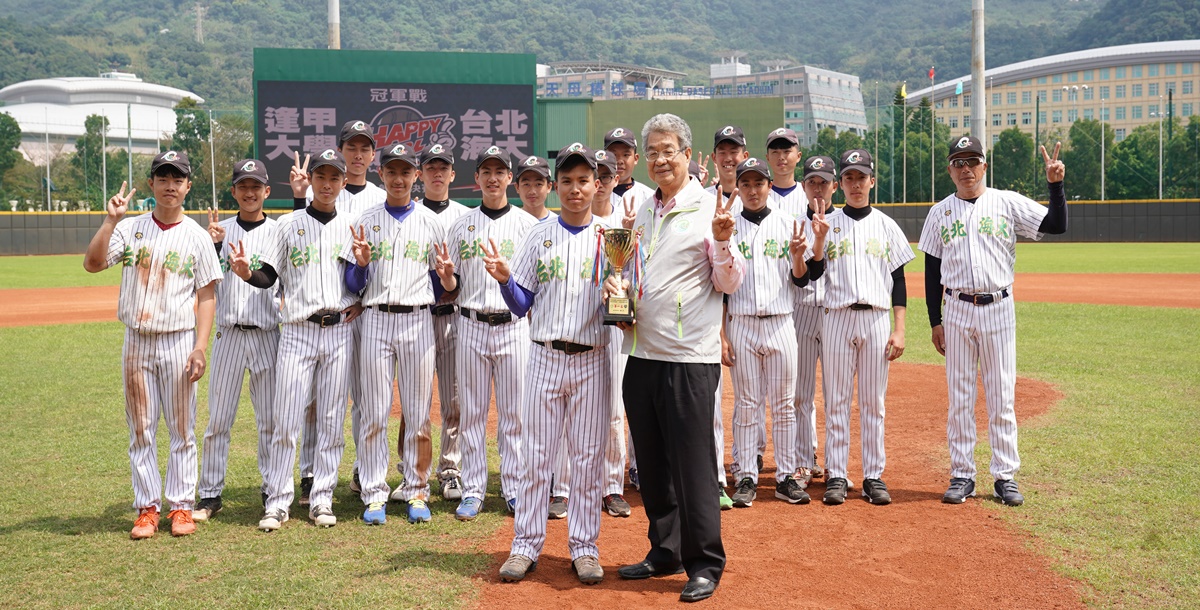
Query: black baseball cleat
{"x":206,"y":508}
{"x":1008,"y":493}
{"x":789,"y":491}
{"x":960,"y":489}
{"x":745,"y":495}
{"x":835,"y":490}
{"x":875,"y":491}
{"x":306,"y":484}
{"x":759,"y":463}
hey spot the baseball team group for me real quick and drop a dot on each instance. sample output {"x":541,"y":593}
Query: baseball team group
{"x":364,"y":294}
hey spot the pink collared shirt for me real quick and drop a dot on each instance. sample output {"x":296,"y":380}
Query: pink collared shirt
{"x":727,"y":270}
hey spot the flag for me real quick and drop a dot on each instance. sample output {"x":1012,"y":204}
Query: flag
{"x":958,"y":88}
{"x":931,"y":73}
{"x":903,"y":91}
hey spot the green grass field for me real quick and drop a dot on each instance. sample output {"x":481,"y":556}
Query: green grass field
{"x":1111,"y":475}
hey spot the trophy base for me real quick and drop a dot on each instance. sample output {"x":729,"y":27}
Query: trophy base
{"x":618,"y":309}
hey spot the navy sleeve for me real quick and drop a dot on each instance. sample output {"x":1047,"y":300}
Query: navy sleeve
{"x":517,"y":297}
{"x":1055,"y":222}
{"x":933,"y":289}
{"x":355,"y":278}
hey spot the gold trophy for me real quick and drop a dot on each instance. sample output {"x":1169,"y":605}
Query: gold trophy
{"x":619,"y":246}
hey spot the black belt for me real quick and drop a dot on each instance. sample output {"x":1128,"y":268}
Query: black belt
{"x":444,"y":309}
{"x":400,"y":308}
{"x":326,"y":319}
{"x":246,"y":327}
{"x":565,"y":346}
{"x":491,"y":319}
{"x":980,"y":299}
{"x":860,"y":306}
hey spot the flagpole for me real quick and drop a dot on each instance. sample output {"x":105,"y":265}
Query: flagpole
{"x":877,"y":137}
{"x":904,"y":111}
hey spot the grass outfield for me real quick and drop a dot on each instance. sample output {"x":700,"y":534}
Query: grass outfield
{"x":62,"y":271}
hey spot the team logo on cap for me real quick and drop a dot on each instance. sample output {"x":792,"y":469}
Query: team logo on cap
{"x":531,"y":161}
{"x":853,"y":157}
{"x":328,"y":155}
{"x":728,"y":131}
{"x":170,"y":155}
{"x":436,"y":149}
{"x":782,"y":131}
{"x":963,"y":142}
{"x":601,"y":155}
{"x":359,"y":126}
{"x":816,"y":164}
{"x":617,"y":133}
{"x":495,"y":150}
{"x":751,"y":162}
{"x":399,"y":149}
{"x":250,"y":166}
{"x":576,"y":147}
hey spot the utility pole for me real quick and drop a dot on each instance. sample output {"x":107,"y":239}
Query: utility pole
{"x":978,"y":63}
{"x":200,"y":11}
{"x":335,"y":24}
{"x":129,"y":138}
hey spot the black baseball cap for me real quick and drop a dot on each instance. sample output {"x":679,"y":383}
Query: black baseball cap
{"x":966,"y":146}
{"x":329,"y":157}
{"x":820,"y":166}
{"x":250,"y":168}
{"x":535,"y":164}
{"x":730,"y":133}
{"x":858,"y":159}
{"x":575,"y":150}
{"x":398,"y":152}
{"x":753,"y":165}
{"x":354,"y":129}
{"x":495,"y":152}
{"x":437,"y":151}
{"x":620,"y":135}
{"x":694,"y":169}
{"x":603,"y":159}
{"x":176,"y":159}
{"x":783,"y":133}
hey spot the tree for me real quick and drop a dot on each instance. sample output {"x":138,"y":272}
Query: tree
{"x":1012,"y":160}
{"x":1134,"y":170}
{"x":1081,"y":155}
{"x":10,"y":140}
{"x":191,"y":136}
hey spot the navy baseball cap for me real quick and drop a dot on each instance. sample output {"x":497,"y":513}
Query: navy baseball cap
{"x":753,"y":165}
{"x":176,"y":159}
{"x":783,"y":133}
{"x":604,"y":159}
{"x":857,"y":159}
{"x":328,"y":157}
{"x":354,"y":129}
{"x":535,"y":164}
{"x":729,"y":133}
{"x":620,"y":135}
{"x":437,"y":151}
{"x":966,"y":146}
{"x":495,"y":152}
{"x":399,"y":152}
{"x":819,"y":166}
{"x":575,"y":150}
{"x":252,"y":169}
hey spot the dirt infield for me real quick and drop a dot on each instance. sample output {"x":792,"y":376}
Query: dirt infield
{"x":916,"y":552}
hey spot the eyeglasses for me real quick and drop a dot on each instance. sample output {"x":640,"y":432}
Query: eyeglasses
{"x":968,"y":162}
{"x":607,"y":178}
{"x":666,"y":155}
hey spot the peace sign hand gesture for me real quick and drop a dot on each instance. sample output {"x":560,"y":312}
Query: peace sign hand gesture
{"x":820,"y":226}
{"x":444,"y":266}
{"x":495,"y":263}
{"x":1055,"y":170}
{"x":360,"y":246}
{"x":119,"y":204}
{"x":799,"y":243}
{"x":299,"y":177}
{"x":239,"y":263}
{"x":722,"y":222}
{"x":215,"y":230}
{"x":630,"y":215}
{"x":704,"y":169}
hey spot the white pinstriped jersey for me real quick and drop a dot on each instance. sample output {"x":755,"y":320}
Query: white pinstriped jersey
{"x":355,"y":205}
{"x":794,"y":203}
{"x":447,"y":216}
{"x":307,"y":256}
{"x":736,"y":208}
{"x":638,"y":193}
{"x":238,"y":302}
{"x":401,"y":256}
{"x":977,"y":242}
{"x":466,"y":238}
{"x":161,"y":271}
{"x":766,"y":289}
{"x":860,"y":256}
{"x":557,"y":267}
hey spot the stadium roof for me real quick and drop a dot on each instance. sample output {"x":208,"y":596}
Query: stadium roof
{"x":651,"y":75}
{"x":112,"y":87}
{"x":1105,"y":57}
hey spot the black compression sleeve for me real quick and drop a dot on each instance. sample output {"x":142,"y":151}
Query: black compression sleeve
{"x":899,"y":288}
{"x":933,"y":289}
{"x":218,"y":247}
{"x":263,"y":277}
{"x":1055,"y":222}
{"x":801,"y":282}
{"x":816,"y":268}
{"x":299,"y":203}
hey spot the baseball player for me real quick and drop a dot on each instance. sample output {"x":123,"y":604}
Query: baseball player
{"x":969,"y":241}
{"x":493,"y":343}
{"x":863,"y":266}
{"x":437,"y":174}
{"x":622,"y":145}
{"x":568,"y":376}
{"x":315,"y":342}
{"x":356,"y":143}
{"x":761,"y":350}
{"x":247,"y":336}
{"x":169,"y":272}
{"x":534,"y":184}
{"x":391,"y":258}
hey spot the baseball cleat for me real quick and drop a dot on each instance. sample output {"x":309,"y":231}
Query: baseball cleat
{"x":516,"y":567}
{"x":1006,"y":490}
{"x":588,"y":569}
{"x":355,"y":484}
{"x":146,"y":524}
{"x":726,"y":502}
{"x":375,"y":514}
{"x":452,"y":488}
{"x":960,"y":489}
{"x":398,"y":494}
{"x":322,"y":516}
{"x":803,"y":476}
{"x":835,"y":491}
{"x":306,"y":484}
{"x":790,"y":491}
{"x":468,"y":509}
{"x":558,"y":507}
{"x":759,"y":462}
{"x":418,"y":512}
{"x":745,"y":494}
{"x":182,"y":523}
{"x":634,"y":480}
{"x":272,"y":520}
{"x":616,"y":505}
{"x":206,"y":508}
{"x":817,"y":471}
{"x":875,"y":491}
{"x":511,"y":505}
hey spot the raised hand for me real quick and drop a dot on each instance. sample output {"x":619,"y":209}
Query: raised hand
{"x":630,"y":212}
{"x":799,"y":243}
{"x":704,"y":173}
{"x":722,"y":222}
{"x":820,"y":226}
{"x":215,"y":230}
{"x":444,"y":266}
{"x":239,"y":263}
{"x":1055,"y":170}
{"x":299,"y":176}
{"x":495,"y":263}
{"x":119,"y":203}
{"x":360,"y":246}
